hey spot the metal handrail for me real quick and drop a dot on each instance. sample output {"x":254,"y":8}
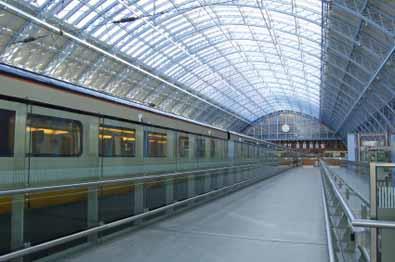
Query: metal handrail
{"x":362,"y":198}
{"x":93,"y":230}
{"x":354,"y":163}
{"x":331,"y":251}
{"x":351,"y":218}
{"x":381,"y":164}
{"x":113,"y":181}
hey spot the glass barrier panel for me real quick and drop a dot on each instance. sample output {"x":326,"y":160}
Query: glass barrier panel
{"x":154,"y":194}
{"x":51,"y":215}
{"x":385,"y":210}
{"x":352,"y":179}
{"x":180,"y":188}
{"x":115,"y":202}
{"x":5,"y":224}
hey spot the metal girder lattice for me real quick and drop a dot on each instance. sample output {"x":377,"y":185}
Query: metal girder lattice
{"x":173,"y":39}
{"x":224,"y":62}
{"x":363,"y":103}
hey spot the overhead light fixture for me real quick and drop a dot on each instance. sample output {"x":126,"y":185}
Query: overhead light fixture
{"x":29,"y":39}
{"x":134,"y":18}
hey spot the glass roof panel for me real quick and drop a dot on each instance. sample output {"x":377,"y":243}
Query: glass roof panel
{"x":251,"y":57}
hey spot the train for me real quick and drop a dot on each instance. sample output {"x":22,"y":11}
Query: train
{"x":55,"y":132}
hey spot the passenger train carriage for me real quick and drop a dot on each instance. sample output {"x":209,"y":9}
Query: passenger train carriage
{"x":55,"y":132}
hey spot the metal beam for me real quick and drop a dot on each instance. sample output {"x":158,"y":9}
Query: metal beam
{"x":56,"y":29}
{"x":372,"y":79}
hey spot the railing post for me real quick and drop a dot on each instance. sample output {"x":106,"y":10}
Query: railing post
{"x":139,"y":200}
{"x":191,"y":186}
{"x":169,"y":187}
{"x":373,"y":215}
{"x":207,"y":182}
{"x":233,"y":175}
{"x":17,"y":223}
{"x":220,"y":178}
{"x":347,"y":193}
{"x":364,"y":211}
{"x":237,"y":175}
{"x":228,"y":176}
{"x":93,"y":210}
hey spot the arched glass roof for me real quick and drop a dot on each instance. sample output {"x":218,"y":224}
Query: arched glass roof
{"x":250,"y":57}
{"x":222,"y":62}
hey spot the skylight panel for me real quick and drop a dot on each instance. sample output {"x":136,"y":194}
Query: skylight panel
{"x":87,"y":19}
{"x":109,"y":33}
{"x":235,"y":43}
{"x":69,"y":7}
{"x":118,"y":35}
{"x":101,"y":29}
{"x":81,"y":11}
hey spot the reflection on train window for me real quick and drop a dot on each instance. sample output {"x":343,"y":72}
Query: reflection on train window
{"x":200,"y":147}
{"x":251,"y":151}
{"x":53,"y":136}
{"x":7,"y":130}
{"x":183,"y":146}
{"x":117,"y":142}
{"x":155,"y":144}
{"x":212,"y":148}
{"x":244,"y":150}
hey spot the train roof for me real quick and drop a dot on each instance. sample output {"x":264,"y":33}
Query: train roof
{"x":60,"y":84}
{"x":63,"y":85}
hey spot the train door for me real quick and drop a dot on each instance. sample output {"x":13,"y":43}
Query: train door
{"x":12,"y":144}
{"x":120,"y":148}
{"x":158,"y":151}
{"x":182,"y":149}
{"x":61,"y":146}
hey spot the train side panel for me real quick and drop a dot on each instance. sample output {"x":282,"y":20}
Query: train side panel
{"x":12,"y":144}
{"x":62,"y":146}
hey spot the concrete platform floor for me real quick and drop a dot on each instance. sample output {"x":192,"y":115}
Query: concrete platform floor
{"x":279,"y":219}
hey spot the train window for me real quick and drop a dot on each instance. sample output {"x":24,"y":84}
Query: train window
{"x":183,"y":146}
{"x":200,"y":147}
{"x":117,"y":141}
{"x":7,"y":130}
{"x":53,"y":136}
{"x":212,"y":148}
{"x":155,"y":144}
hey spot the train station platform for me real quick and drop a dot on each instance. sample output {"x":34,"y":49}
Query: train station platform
{"x":278,"y":219}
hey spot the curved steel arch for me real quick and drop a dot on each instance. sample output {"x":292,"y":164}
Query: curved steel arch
{"x":175,"y":15}
{"x":334,"y":50}
{"x":181,"y":35}
{"x":142,"y":32}
{"x":333,"y":65}
{"x":280,"y":78}
{"x":336,"y":87}
{"x":283,"y":100}
{"x":269,"y":63}
{"x":258,"y":62}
